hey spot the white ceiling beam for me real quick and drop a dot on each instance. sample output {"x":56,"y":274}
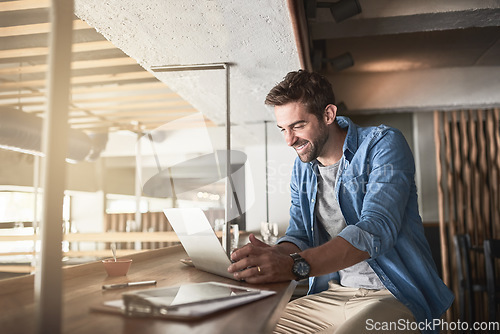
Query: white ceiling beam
{"x":120,"y":87}
{"x":387,"y":8}
{"x":406,"y":24}
{"x":76,"y":65}
{"x":96,"y":103}
{"x":44,"y":51}
{"x":96,"y":79}
{"x":37,"y":28}
{"x":133,"y":107}
{"x":139,"y":114}
{"x":135,"y":88}
{"x":128,"y":119}
{"x":422,"y":90}
{"x":129,"y":98}
{"x":23,"y":5}
{"x":113,"y":126}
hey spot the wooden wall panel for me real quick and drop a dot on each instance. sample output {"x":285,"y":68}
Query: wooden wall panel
{"x":468,"y":170}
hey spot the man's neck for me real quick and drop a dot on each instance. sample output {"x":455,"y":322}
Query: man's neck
{"x":333,"y":148}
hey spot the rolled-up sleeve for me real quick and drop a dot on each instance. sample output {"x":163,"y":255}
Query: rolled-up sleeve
{"x":298,"y":242}
{"x":361,"y":239}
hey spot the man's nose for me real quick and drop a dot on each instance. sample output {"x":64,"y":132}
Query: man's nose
{"x":290,"y":138}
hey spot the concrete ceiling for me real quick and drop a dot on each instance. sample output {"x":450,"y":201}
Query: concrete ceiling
{"x":408,"y":56}
{"x":254,"y":37}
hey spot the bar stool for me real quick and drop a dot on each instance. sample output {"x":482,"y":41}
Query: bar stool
{"x":466,"y":288}
{"x":492,"y":252}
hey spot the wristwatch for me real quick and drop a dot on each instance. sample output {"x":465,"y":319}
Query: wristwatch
{"x":301,"y":268}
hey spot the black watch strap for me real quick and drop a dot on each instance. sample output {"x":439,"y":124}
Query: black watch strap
{"x":301,"y":267}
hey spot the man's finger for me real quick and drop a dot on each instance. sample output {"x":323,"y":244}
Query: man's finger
{"x":241,"y":252}
{"x":245,"y":268}
{"x":252,"y":248}
{"x":256,"y":242}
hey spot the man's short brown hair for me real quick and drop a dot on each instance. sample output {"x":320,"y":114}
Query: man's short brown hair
{"x":309,"y":88}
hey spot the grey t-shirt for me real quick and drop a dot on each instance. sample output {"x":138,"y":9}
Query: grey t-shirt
{"x":328,"y":213}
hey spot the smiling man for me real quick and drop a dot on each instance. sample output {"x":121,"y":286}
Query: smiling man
{"x":355,"y":229}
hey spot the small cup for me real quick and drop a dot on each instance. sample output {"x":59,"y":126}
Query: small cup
{"x":118,"y":268}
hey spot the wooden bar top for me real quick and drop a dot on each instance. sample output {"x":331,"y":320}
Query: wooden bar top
{"x":82,"y":289}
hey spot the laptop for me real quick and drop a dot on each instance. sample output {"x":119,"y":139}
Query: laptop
{"x":199,"y":240}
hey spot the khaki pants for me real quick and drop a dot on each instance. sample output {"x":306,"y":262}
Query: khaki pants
{"x":342,"y":310}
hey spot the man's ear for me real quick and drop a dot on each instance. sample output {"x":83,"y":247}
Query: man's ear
{"x":330,"y":114}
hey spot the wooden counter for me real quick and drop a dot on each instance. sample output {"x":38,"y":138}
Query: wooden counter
{"x":82,"y":289}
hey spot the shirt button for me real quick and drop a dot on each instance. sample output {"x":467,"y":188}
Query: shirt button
{"x":312,"y":200}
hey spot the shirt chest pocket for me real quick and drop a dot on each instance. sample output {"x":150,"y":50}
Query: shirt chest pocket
{"x":351,"y":194}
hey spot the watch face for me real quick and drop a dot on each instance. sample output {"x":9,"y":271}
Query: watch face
{"x":302,"y":268}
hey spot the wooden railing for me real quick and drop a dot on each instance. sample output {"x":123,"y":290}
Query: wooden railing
{"x":119,"y":228}
{"x":150,"y":222}
{"x":168,"y":237}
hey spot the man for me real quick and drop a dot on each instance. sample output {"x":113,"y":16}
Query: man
{"x":354,"y":230}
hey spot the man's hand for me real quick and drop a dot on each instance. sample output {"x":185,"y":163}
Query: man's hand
{"x":257,"y":262}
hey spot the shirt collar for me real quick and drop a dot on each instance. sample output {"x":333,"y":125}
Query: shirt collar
{"x":350,"y":143}
{"x":351,"y":140}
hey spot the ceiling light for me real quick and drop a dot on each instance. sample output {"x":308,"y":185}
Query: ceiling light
{"x":342,"y":62}
{"x":338,"y":63}
{"x":342,"y":10}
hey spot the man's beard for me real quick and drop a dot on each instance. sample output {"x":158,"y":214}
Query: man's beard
{"x":315,"y":146}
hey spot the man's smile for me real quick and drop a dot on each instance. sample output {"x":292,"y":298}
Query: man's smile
{"x":299,"y":147}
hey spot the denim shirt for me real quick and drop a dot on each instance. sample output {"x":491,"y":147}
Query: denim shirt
{"x":377,"y":195}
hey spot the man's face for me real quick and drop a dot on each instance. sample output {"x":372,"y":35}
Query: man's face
{"x":302,"y":130}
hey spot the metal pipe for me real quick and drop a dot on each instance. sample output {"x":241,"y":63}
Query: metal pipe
{"x":229,"y":192}
{"x":267,"y":171}
{"x":138,"y":188}
{"x":226,"y":241}
{"x":190,"y":67}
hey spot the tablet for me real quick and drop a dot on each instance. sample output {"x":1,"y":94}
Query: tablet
{"x":188,"y":300}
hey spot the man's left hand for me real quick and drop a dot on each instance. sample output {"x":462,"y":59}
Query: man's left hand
{"x":257,"y":262}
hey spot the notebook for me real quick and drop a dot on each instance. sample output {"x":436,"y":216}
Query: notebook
{"x":199,"y":240}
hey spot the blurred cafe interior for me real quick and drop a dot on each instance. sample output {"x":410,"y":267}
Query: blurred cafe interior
{"x":160,"y":104}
